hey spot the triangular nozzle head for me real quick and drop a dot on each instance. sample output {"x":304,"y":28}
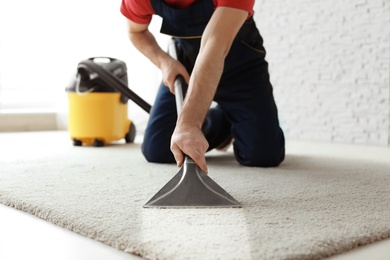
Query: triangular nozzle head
{"x":192,"y":188}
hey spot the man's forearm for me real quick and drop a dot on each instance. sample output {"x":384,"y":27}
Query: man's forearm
{"x":215,"y":45}
{"x":203,"y":84}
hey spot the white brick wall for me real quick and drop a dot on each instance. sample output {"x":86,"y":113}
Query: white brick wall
{"x":330,"y":67}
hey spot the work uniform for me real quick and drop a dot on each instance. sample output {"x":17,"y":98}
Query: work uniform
{"x":246,"y":108}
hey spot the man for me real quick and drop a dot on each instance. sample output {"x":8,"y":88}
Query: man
{"x":222,"y":58}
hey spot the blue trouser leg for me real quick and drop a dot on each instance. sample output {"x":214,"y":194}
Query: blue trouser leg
{"x":216,"y":127}
{"x":246,"y":97}
{"x":258,"y":139}
{"x":162,"y":122}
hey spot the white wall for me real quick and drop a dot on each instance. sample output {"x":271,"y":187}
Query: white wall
{"x":329,"y":63}
{"x":329,"y":60}
{"x":42,"y":41}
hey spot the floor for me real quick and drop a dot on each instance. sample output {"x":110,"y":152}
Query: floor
{"x":23,"y":236}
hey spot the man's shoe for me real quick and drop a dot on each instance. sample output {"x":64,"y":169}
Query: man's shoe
{"x":225,"y":145}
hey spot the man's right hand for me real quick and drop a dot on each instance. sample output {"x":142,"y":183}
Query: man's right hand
{"x":170,"y":69}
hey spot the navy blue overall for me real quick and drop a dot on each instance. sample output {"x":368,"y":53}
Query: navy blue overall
{"x":246,"y":108}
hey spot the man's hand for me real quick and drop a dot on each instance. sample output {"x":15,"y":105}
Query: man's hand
{"x":190,"y":141}
{"x":170,"y":69}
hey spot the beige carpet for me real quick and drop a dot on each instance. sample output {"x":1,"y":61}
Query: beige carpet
{"x":323,"y":200}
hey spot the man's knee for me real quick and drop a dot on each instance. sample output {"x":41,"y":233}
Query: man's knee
{"x":156,"y":155}
{"x":261,"y":158}
{"x":261,"y":155}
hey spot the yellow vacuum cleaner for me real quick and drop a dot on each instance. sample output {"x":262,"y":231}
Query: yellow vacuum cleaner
{"x":98,"y":103}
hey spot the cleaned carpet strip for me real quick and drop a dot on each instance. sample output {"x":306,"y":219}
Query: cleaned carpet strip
{"x":323,"y":200}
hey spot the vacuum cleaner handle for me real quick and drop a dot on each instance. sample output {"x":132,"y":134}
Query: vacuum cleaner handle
{"x":179,"y":79}
{"x":179,"y":96}
{"x":113,"y":81}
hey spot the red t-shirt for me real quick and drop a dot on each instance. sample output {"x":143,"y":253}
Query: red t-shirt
{"x":141,"y":11}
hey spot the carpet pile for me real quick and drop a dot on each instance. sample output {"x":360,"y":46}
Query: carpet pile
{"x":323,"y":200}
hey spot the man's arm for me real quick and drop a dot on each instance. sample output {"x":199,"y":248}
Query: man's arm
{"x":215,"y":45}
{"x":145,"y":42}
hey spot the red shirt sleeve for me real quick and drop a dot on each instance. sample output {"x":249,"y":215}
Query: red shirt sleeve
{"x":138,"y":11}
{"x":141,"y":11}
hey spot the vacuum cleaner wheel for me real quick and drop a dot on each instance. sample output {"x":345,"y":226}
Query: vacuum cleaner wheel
{"x":98,"y":143}
{"x":77,"y":142}
{"x":130,"y":136}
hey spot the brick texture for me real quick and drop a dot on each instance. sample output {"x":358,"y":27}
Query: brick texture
{"x":330,"y":67}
